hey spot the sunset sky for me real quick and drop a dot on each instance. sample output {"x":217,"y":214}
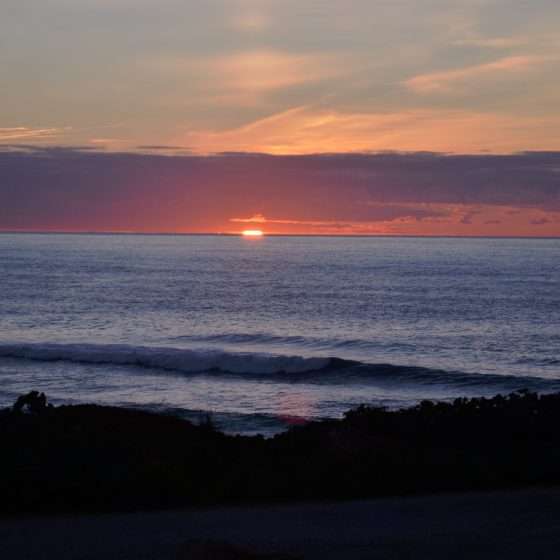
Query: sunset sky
{"x":437,"y":117}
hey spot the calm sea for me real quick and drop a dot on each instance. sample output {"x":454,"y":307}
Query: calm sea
{"x":271,"y":331}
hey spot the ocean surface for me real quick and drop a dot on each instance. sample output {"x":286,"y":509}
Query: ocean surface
{"x":273,"y":331}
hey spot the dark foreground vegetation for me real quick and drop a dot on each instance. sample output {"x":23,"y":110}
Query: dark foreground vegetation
{"x":98,"y":458}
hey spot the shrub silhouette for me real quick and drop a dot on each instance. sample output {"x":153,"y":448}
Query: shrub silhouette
{"x":88,"y":457}
{"x":34,"y":402}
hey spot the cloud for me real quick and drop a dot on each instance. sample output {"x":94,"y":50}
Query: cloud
{"x":378,"y":213}
{"x":304,"y":129}
{"x":250,"y":21}
{"x":445,"y":82}
{"x":159,"y":148}
{"x":398,"y":193}
{"x":405,"y":219}
{"x":255,"y":218}
{"x":253,"y":71}
{"x":16,"y":133}
{"x":497,"y":43}
{"x":163,"y":149}
{"x":44,"y":135}
{"x":228,"y":73}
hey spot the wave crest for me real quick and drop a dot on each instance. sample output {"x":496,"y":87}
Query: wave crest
{"x":178,"y":359}
{"x":323,"y":370}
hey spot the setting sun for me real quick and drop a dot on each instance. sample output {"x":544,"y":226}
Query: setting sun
{"x":252,"y":233}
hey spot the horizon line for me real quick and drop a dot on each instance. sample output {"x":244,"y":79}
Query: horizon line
{"x":240,"y":234}
{"x":171,"y":152}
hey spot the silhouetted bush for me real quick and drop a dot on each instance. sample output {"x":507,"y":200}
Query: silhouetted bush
{"x":88,"y":457}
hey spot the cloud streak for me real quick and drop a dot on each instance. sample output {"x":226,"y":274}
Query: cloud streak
{"x":303,"y":130}
{"x":253,"y":71}
{"x":67,"y":133}
{"x":445,"y":82}
{"x":15,"y":133}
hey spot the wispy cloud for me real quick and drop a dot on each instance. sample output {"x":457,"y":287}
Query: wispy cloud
{"x":415,"y":219}
{"x":253,"y":71}
{"x":496,"y":42}
{"x":255,"y":218}
{"x":307,"y":129}
{"x":15,"y":133}
{"x":444,"y":82}
{"x":11,"y":134}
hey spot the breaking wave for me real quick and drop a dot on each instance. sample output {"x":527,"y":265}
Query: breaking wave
{"x":313,"y":369}
{"x":178,"y":359}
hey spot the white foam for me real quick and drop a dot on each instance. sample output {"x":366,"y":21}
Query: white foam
{"x":180,"y":359}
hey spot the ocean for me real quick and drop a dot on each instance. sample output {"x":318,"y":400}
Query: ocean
{"x":269,"y":332}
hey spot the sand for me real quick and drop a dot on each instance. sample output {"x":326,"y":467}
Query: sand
{"x":494,"y":525}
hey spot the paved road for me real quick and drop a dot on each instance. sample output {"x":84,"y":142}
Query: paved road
{"x":498,"y":525}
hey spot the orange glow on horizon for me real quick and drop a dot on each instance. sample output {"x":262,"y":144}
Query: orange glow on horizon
{"x":252,"y":233}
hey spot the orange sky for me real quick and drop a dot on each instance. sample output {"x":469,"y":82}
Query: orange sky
{"x":282,"y":76}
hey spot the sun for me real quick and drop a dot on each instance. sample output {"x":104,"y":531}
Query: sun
{"x":252,"y":233}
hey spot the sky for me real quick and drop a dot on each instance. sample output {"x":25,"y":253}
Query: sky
{"x":415,"y":117}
